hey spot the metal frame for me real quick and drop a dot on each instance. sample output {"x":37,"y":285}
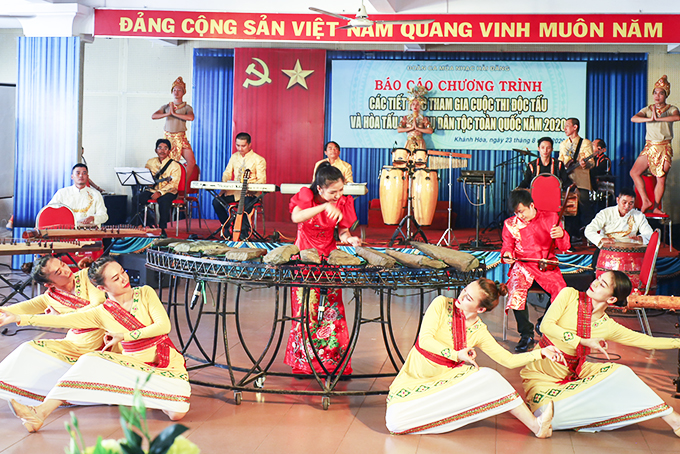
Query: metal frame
{"x":251,"y":376}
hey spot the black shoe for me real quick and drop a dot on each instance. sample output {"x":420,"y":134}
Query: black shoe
{"x":524,"y":344}
{"x":163,"y":233}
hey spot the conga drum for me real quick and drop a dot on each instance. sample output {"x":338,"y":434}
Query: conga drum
{"x":572,"y":203}
{"x":420,"y":157}
{"x":400,"y":157}
{"x":393,"y":193}
{"x":626,"y":257}
{"x":425,"y":190}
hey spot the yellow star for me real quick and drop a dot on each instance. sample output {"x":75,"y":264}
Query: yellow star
{"x":297,"y":75}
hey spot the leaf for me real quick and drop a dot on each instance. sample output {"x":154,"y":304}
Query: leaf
{"x":132,"y":437}
{"x":131,"y":449}
{"x":165,"y":439}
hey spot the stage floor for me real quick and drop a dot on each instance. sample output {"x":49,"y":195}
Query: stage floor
{"x":267,"y":423}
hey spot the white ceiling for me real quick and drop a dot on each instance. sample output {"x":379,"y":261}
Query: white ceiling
{"x":76,"y":16}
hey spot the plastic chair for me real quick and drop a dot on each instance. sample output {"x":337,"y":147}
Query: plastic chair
{"x":647,"y":276}
{"x":185,"y":201}
{"x":666,"y":221}
{"x":546,"y":191}
{"x":55,"y":215}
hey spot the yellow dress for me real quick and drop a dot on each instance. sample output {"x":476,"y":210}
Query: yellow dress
{"x":32,"y":369}
{"x":606,"y":395}
{"x":427,"y":397}
{"x":110,"y":378}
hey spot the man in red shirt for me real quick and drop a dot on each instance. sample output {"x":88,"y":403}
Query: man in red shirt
{"x":527,"y":237}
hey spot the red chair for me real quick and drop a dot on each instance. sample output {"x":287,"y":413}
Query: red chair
{"x":647,"y":277}
{"x":546,"y":191}
{"x":62,"y":216}
{"x":55,"y":215}
{"x":186,"y":200}
{"x":666,"y":221}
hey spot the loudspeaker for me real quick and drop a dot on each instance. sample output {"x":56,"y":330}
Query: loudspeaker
{"x":135,"y":265}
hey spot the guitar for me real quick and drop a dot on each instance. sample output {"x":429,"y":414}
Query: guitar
{"x":573,"y":164}
{"x":238,"y":226}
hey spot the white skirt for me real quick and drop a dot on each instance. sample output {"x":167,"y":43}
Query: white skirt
{"x":95,"y":380}
{"x":619,"y":400}
{"x":27,"y":374}
{"x":480,"y":395}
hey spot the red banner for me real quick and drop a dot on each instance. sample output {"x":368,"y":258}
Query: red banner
{"x":446,"y":28}
{"x":279,"y":100}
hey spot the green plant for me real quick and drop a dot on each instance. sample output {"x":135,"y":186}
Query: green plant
{"x":136,"y":430}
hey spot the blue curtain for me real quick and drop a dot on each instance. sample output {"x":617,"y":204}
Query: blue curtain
{"x":211,"y":133}
{"x":616,"y":89}
{"x":48,"y":112}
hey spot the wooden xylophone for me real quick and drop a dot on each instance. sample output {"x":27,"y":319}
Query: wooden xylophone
{"x":17,"y":247}
{"x":113,"y":231}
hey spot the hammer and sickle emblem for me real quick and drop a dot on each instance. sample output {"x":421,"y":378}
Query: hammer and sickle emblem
{"x":263,"y":77}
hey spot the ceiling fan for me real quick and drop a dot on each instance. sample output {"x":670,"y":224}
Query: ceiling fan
{"x":362,"y":21}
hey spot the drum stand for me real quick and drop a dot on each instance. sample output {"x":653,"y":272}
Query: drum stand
{"x":446,"y":236}
{"x":398,"y":232}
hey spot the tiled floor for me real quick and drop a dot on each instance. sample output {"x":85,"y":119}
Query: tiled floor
{"x":274,"y":423}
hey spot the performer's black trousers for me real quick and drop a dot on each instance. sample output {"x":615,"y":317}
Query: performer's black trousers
{"x":164,"y":206}
{"x":524,"y":326}
{"x":222,"y":213}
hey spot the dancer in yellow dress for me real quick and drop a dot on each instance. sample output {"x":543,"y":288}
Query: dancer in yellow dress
{"x":134,"y":317}
{"x":589,"y":396}
{"x":440,"y":387}
{"x":32,"y":369}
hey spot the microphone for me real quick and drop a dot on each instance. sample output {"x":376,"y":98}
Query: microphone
{"x":195,"y":296}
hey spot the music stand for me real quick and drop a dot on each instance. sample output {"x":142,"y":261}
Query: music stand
{"x":409,"y":218}
{"x":135,"y":177}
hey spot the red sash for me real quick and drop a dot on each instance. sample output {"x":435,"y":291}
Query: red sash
{"x":575,"y":362}
{"x":72,"y":301}
{"x":162,"y":342}
{"x":459,"y":341}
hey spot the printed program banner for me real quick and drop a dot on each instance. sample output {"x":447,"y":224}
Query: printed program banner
{"x":471,"y":105}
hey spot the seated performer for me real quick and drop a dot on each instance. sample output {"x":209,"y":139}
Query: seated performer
{"x":440,"y":388}
{"x":136,"y":318}
{"x":527,"y":238}
{"x":176,"y":114}
{"x":619,"y":223}
{"x":244,"y":158}
{"x":164,"y":192}
{"x":658,"y":153}
{"x":332,"y":152}
{"x":32,"y":369}
{"x":545,"y":164}
{"x":576,"y":151}
{"x":86,"y":203}
{"x":593,"y":396}
{"x":318,"y":210}
{"x":602,"y":164}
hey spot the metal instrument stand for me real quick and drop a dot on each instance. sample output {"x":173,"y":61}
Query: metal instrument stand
{"x":446,"y":236}
{"x":398,"y":234}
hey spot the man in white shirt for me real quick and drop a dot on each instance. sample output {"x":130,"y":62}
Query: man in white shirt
{"x":244,"y":158}
{"x":619,"y":223}
{"x":86,"y":203}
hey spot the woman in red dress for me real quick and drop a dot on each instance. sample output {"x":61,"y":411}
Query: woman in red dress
{"x":317,"y":210}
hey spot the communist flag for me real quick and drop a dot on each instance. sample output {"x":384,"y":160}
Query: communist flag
{"x":279,"y":100}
